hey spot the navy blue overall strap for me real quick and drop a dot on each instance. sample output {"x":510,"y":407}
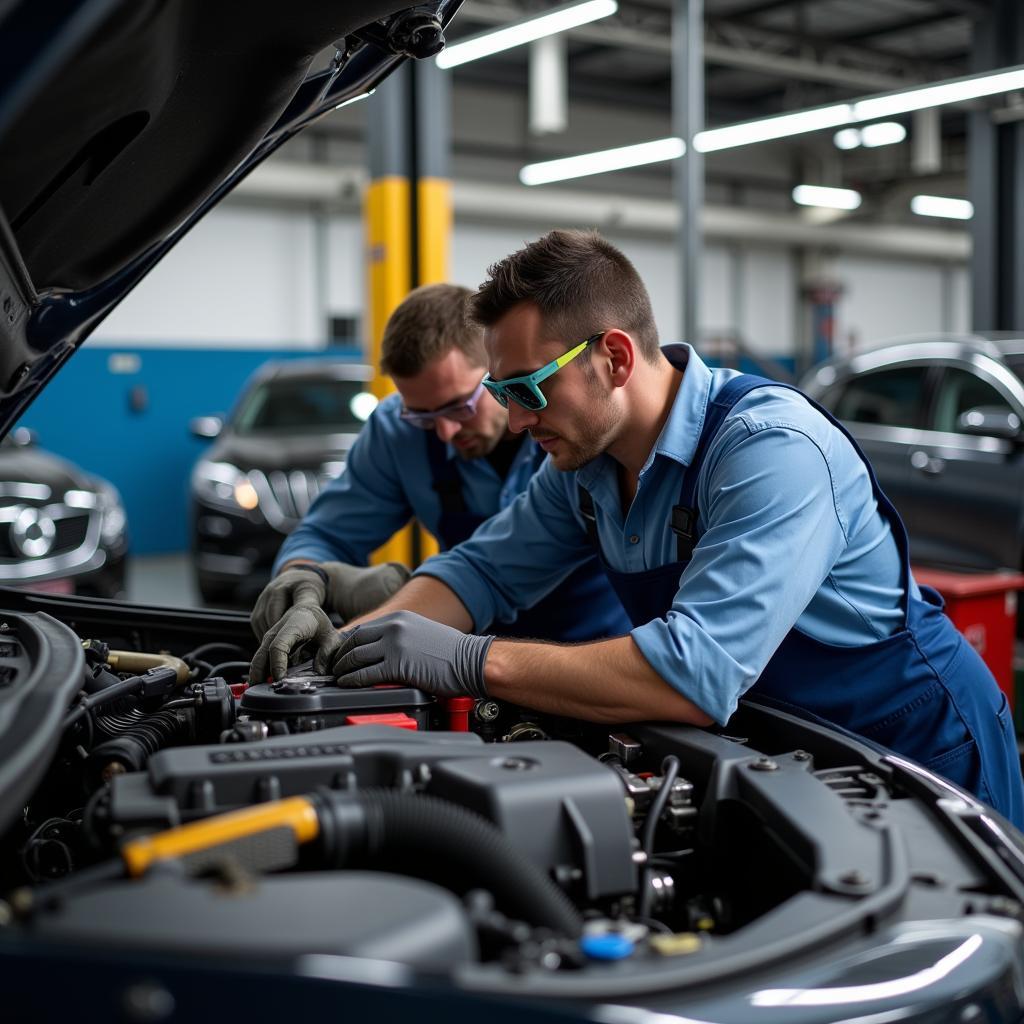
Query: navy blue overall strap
{"x":683,"y":520}
{"x":685,"y":513}
{"x":444,"y":472}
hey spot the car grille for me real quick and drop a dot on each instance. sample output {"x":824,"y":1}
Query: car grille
{"x":285,"y":496}
{"x":74,"y":542}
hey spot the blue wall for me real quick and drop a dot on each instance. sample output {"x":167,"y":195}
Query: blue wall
{"x":132,"y":427}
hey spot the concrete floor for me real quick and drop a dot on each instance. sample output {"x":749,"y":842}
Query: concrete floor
{"x":165,"y":580}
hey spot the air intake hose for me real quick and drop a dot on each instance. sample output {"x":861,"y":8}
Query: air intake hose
{"x":440,"y":842}
{"x":131,"y":748}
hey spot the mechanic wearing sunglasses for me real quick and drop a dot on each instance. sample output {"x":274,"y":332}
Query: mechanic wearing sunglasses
{"x":439,"y":450}
{"x":739,"y":523}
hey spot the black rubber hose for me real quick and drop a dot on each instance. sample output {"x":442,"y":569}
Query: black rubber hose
{"x":133,"y":747}
{"x":669,"y":773}
{"x":440,"y":842}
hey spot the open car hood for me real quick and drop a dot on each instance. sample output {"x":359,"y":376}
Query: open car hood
{"x":123,"y":121}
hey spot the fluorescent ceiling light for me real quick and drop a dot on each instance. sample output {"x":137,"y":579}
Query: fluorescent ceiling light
{"x":883,"y":133}
{"x":767,"y":128}
{"x":868,"y":109}
{"x":829,"y":198}
{"x":847,"y":138}
{"x":605,"y":160}
{"x":559,"y":20}
{"x":956,"y":91}
{"x":942,"y":206}
{"x":799,"y":122}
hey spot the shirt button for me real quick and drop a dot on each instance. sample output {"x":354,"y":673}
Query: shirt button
{"x":634,"y":539}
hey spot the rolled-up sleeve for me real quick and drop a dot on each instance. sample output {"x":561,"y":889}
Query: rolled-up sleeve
{"x":358,"y":510}
{"x":772,"y":533}
{"x":519,"y":555}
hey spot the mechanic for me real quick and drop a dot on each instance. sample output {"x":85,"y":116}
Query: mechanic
{"x":440,"y":450}
{"x":740,"y":524}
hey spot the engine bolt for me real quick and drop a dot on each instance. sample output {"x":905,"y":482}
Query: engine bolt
{"x":801,"y":755}
{"x":487,"y":710}
{"x":764,"y":764}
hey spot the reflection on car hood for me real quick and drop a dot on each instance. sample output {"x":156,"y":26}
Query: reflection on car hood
{"x":39,"y":467}
{"x":280,"y":451}
{"x":123,"y":121}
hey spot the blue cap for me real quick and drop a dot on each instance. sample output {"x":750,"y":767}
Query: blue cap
{"x":607,"y":947}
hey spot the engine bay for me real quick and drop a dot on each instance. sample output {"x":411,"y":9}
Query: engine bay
{"x":153,"y":801}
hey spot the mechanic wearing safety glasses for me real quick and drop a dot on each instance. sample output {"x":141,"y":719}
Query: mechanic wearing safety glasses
{"x":440,"y":450}
{"x":739,"y":523}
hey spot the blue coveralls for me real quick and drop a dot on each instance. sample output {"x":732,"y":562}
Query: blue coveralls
{"x":923,"y":692}
{"x":583,"y":607}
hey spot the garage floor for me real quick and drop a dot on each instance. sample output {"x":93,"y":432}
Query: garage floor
{"x":162,"y":580}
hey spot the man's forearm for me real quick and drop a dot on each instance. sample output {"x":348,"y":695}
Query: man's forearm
{"x":607,"y":681}
{"x":428,"y":597}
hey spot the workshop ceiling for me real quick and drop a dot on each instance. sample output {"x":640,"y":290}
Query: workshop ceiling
{"x":762,"y":56}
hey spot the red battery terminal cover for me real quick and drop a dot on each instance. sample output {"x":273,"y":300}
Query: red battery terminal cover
{"x":398,"y":719}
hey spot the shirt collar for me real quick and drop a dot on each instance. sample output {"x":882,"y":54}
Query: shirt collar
{"x":678,"y":438}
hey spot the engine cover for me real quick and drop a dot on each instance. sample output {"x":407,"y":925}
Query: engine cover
{"x":564,"y":810}
{"x":345,"y":913}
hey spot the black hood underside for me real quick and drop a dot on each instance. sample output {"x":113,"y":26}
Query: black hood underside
{"x":154,"y":109}
{"x":123,"y":121}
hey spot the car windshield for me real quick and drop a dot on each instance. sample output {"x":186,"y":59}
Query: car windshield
{"x":1016,"y":363}
{"x":304,"y":406}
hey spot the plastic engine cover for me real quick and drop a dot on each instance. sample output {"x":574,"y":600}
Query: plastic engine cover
{"x":350,"y":913}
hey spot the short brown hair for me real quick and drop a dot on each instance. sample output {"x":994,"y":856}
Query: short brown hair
{"x":581,"y":284}
{"x":426,"y":325}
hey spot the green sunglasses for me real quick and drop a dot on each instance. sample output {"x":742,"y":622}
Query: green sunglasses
{"x":525,"y":391}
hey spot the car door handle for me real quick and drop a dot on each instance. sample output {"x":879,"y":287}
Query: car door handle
{"x":927,"y":463}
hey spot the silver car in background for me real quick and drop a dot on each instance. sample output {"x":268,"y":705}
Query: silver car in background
{"x":940,"y":419}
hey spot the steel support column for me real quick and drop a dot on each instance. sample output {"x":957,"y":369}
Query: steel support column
{"x":996,"y":183}
{"x":408,"y":220}
{"x":688,"y":118}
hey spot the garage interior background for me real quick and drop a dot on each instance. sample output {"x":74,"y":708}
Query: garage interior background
{"x":278,"y":270}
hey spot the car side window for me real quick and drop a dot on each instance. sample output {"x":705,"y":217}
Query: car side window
{"x":961,"y":390}
{"x":889,"y":397}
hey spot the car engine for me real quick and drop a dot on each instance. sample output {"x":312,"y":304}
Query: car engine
{"x":156,"y":801}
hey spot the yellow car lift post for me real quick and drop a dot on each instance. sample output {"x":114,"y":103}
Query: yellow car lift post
{"x":408,"y":216}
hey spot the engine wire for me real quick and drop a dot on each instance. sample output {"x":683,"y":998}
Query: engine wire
{"x":216,"y":645}
{"x":670,"y":771}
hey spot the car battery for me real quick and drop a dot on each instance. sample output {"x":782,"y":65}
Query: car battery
{"x":306,"y":703}
{"x":982,"y":606}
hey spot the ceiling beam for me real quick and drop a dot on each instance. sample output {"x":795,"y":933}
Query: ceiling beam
{"x":732,"y":53}
{"x":896,"y":26}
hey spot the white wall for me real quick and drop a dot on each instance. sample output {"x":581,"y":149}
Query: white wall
{"x":250,"y":276}
{"x":886,"y":298}
{"x":241,"y":276}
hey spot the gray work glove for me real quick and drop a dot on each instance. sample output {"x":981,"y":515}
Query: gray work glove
{"x":352,"y":591}
{"x":296,"y":596}
{"x":293,"y":588}
{"x":296,"y":628}
{"x":403,"y":647}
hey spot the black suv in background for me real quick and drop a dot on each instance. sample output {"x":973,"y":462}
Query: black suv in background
{"x":288,"y":435}
{"x":941,"y":420}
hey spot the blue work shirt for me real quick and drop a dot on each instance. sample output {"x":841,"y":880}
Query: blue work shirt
{"x":790,"y":534}
{"x":385,"y":483}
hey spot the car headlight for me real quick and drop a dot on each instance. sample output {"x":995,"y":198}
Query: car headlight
{"x":113,"y":521}
{"x":224,"y":485}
